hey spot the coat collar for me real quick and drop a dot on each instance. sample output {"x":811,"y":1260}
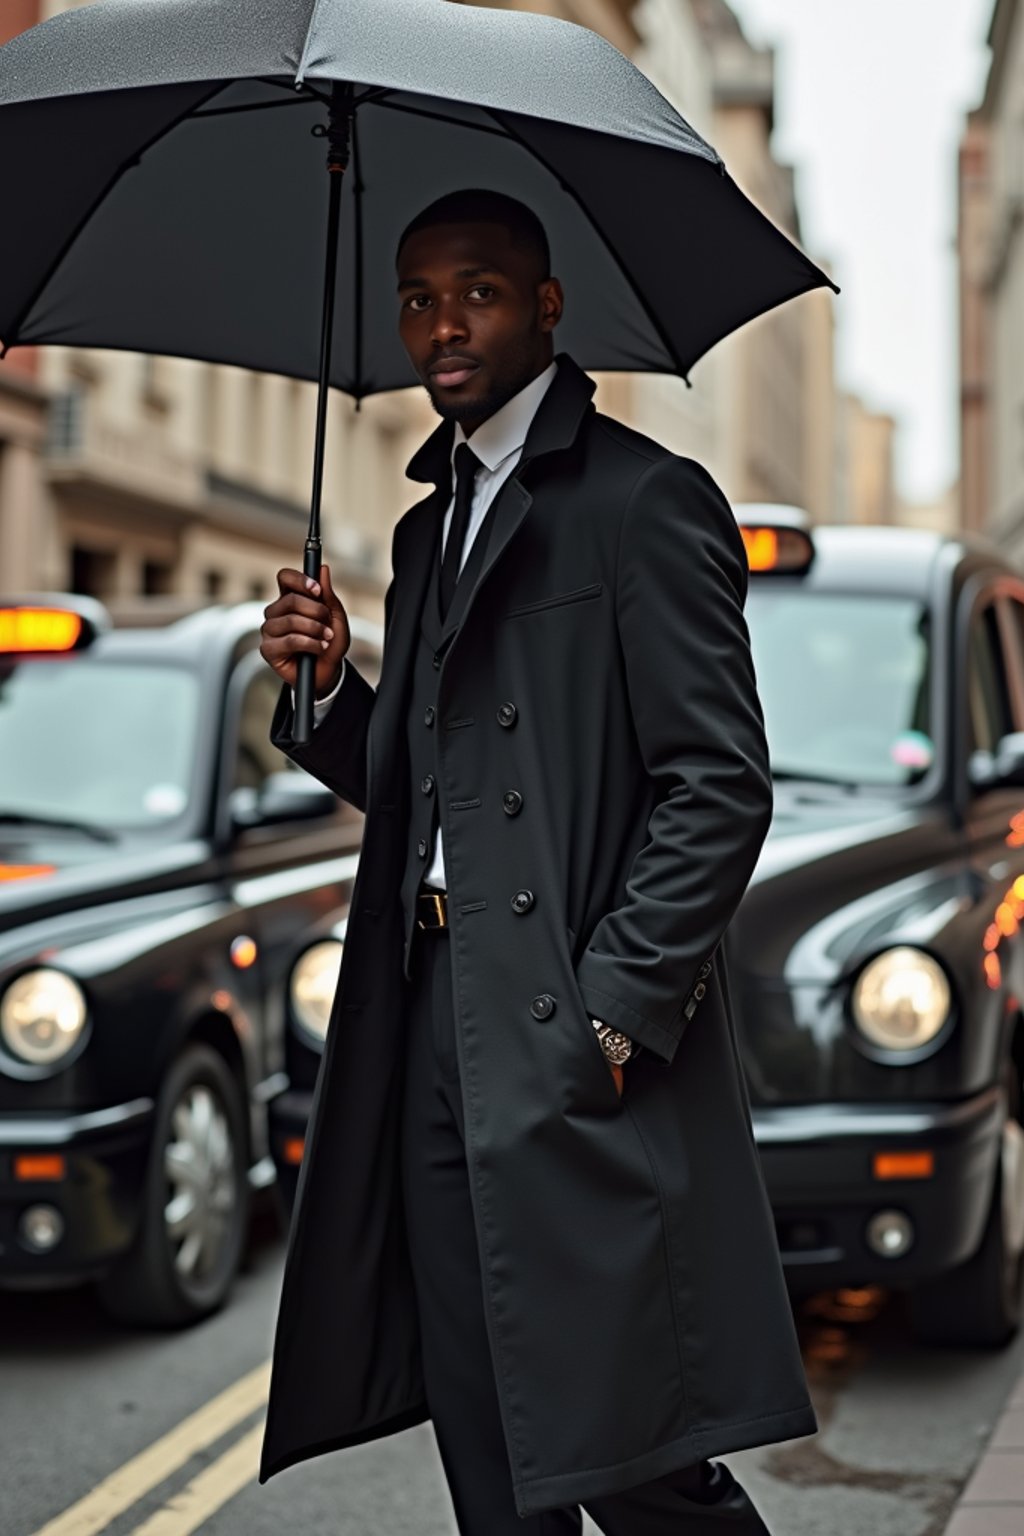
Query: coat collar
{"x":555,"y":424}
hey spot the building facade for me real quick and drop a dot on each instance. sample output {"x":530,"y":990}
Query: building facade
{"x":991,"y":283}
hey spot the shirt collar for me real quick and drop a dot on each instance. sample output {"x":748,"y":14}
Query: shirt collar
{"x":505,"y":431}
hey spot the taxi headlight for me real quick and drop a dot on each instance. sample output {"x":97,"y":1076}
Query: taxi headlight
{"x":313,"y":985}
{"x":42,"y":1015}
{"x":901,"y":999}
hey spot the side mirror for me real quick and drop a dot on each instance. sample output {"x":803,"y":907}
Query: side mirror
{"x":281,"y":797}
{"x":1003,"y":768}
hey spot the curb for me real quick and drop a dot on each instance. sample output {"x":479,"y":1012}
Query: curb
{"x":992,"y":1502}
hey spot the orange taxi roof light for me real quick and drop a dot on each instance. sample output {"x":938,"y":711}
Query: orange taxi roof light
{"x":776,"y":548}
{"x":37,"y":630}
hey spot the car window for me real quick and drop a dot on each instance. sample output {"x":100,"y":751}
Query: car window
{"x":255,"y":756}
{"x":843,"y":679}
{"x":110,"y":744}
{"x":988,"y":698}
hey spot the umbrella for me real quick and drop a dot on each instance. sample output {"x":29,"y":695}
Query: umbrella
{"x":158,"y":161}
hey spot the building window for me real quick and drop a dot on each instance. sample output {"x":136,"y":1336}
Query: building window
{"x":93,"y":571}
{"x":157,"y":578}
{"x":213,"y":584}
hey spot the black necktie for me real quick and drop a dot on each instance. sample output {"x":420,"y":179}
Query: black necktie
{"x":466,"y":466}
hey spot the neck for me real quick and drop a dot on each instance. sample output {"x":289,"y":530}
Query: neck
{"x":471,"y":423}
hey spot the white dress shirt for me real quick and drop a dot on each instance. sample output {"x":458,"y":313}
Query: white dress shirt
{"x":498,"y":444}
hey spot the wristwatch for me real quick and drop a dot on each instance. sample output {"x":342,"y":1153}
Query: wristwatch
{"x":616,"y":1046}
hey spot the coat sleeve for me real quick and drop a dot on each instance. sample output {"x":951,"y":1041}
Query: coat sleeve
{"x":336,"y":752}
{"x":680,"y":591}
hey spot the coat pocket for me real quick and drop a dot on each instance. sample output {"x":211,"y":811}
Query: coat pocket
{"x":557,"y":600}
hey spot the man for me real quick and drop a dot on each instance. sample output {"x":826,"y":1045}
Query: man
{"x":531,"y":1207}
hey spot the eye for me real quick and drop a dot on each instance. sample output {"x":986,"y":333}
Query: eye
{"x":411,"y":301}
{"x":482,"y":288}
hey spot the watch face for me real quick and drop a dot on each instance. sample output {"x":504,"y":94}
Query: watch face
{"x":617,"y":1047}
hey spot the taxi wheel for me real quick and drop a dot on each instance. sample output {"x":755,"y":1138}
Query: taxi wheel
{"x":980,"y":1302}
{"x":194,"y":1220}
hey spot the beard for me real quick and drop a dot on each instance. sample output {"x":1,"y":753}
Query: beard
{"x":517,"y":367}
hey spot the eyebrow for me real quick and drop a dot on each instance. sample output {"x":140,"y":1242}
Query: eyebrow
{"x":421,"y":282}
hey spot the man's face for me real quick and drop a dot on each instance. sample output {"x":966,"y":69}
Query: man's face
{"x":473,"y":317}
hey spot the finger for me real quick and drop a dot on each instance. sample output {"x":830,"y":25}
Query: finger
{"x":308,"y":607}
{"x":328,"y":593}
{"x":289,"y":580}
{"x":283,"y":649}
{"x":294,"y":624}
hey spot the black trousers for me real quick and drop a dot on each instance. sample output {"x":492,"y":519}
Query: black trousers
{"x":700,"y":1500}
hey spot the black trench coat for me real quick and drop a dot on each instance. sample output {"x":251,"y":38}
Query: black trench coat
{"x":636,"y":1308}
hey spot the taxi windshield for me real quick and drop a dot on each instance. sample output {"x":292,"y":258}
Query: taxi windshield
{"x":843,"y":682}
{"x":91,"y":744}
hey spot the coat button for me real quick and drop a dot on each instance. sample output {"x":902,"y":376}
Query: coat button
{"x":699,"y":990}
{"x":437,"y":659}
{"x":507,"y":714}
{"x":511,"y":802}
{"x":427,"y":784}
{"x":543,"y":1006}
{"x":421,"y":847}
{"x":522,"y":901}
{"x":705,"y":969}
{"x":428,"y":715}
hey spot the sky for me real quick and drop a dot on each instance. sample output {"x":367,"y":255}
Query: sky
{"x":870,"y":103}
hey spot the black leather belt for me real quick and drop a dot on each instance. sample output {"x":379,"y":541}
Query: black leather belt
{"x":431,"y":908}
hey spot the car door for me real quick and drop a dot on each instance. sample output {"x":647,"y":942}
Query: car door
{"x":288,"y":878}
{"x":990,"y":704}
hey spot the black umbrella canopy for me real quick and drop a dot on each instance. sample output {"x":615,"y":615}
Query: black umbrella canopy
{"x":158,"y":164}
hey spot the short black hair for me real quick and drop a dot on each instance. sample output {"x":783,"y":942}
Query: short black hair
{"x":470,"y":205}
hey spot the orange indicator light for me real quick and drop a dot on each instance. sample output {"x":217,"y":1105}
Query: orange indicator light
{"x":293,"y":1150}
{"x":42,"y":1166}
{"x":903,"y":1165}
{"x":762,"y":548}
{"x":24,"y":871}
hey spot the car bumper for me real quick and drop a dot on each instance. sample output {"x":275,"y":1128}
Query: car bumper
{"x":818,"y":1164}
{"x":96,"y":1190}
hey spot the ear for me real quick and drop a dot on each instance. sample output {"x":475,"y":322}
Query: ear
{"x":552,"y":302}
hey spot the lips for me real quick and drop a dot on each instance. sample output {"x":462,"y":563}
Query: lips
{"x":452,"y":371}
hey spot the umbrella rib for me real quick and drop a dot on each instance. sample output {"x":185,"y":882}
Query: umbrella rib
{"x":438,"y":117}
{"x":652,"y":317}
{"x":258,"y":106}
{"x":125,"y":165}
{"x":357,"y":191}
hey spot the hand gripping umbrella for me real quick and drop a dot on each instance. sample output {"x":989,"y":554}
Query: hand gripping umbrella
{"x":157,"y":169}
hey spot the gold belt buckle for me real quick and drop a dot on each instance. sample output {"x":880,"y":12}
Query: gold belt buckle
{"x":437,"y":902}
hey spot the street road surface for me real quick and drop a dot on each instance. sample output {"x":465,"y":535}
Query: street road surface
{"x":109,"y":1433}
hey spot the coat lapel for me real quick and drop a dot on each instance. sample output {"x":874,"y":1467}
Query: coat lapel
{"x":555,"y":426}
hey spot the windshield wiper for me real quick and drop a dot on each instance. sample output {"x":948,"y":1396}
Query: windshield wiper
{"x":58,"y":824}
{"x":793,"y":776}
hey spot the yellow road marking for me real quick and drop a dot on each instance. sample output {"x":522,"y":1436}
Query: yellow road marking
{"x":136,"y":1477}
{"x":184,"y":1512}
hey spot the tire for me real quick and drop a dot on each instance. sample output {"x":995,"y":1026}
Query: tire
{"x":194,"y":1220}
{"x":979,"y":1303}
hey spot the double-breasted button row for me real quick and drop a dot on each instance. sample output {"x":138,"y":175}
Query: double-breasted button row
{"x":507,"y":714}
{"x":511,"y":802}
{"x":543,"y":1006}
{"x":522,"y":901}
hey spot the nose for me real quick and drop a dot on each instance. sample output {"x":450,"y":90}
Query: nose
{"x":449,"y":323}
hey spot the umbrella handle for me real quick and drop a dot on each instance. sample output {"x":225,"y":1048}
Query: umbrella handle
{"x":305,"y":681}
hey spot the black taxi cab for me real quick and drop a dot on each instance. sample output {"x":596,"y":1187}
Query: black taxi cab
{"x":164,"y":873}
{"x":876,"y":961}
